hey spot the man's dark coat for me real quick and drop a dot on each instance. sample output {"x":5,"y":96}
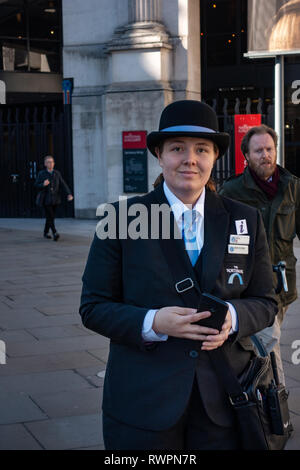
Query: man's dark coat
{"x":50,"y":194}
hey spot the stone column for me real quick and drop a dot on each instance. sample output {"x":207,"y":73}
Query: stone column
{"x":2,"y":92}
{"x":144,"y":10}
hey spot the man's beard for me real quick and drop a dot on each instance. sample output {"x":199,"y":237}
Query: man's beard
{"x":262,"y":172}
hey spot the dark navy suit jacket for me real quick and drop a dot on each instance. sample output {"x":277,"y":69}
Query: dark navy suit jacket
{"x":149,"y":386}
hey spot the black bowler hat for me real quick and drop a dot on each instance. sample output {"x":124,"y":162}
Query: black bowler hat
{"x":188,"y":118}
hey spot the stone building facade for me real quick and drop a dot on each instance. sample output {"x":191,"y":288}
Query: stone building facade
{"x":128,"y":59}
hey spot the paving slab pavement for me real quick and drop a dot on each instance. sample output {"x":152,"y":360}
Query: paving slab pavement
{"x":51,"y":385}
{"x":50,"y":394}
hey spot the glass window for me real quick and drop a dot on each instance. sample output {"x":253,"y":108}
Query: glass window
{"x":221,"y":49}
{"x":221,"y":31}
{"x":221,"y":16}
{"x":30,"y":35}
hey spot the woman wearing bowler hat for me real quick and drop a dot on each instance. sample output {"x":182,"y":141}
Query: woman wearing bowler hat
{"x":161,"y":390}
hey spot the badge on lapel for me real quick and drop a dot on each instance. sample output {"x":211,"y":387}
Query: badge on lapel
{"x":239,"y":239}
{"x":239,"y":243}
{"x":238,"y":249}
{"x":235,"y":273}
{"x":241,"y":227}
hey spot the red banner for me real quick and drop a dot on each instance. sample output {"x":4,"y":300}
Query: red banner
{"x":134,"y":139}
{"x":242,"y":123}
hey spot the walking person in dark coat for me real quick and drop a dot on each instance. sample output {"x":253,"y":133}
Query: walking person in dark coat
{"x":49,"y":181}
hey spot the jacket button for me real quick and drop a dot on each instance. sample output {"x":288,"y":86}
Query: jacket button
{"x":193,"y":353}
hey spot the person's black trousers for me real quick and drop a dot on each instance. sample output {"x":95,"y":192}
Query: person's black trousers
{"x":50,"y":216}
{"x":193,"y":431}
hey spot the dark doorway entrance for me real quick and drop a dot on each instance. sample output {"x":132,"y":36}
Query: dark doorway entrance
{"x":27,"y":134}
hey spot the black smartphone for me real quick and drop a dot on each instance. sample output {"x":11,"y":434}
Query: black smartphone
{"x":218,"y":309}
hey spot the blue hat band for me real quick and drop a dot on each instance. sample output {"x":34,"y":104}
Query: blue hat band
{"x":188,"y":129}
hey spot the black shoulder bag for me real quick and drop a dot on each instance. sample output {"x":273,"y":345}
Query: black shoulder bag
{"x":259,"y":401}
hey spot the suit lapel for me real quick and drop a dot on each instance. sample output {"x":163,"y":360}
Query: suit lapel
{"x":216,"y":223}
{"x":175,"y":244}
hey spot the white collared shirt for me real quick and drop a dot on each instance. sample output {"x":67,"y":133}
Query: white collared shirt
{"x":178,"y":208}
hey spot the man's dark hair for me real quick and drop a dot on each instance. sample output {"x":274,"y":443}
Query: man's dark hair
{"x":257,"y":130}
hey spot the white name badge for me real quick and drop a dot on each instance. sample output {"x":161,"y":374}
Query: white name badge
{"x":238,"y":249}
{"x":239,"y":239}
